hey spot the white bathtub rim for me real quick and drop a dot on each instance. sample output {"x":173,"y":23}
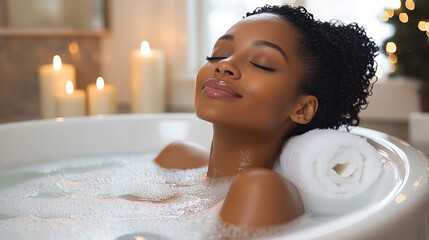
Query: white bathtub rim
{"x":95,"y":118}
{"x":378,"y":213}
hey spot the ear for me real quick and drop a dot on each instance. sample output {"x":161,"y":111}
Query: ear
{"x":305,"y":109}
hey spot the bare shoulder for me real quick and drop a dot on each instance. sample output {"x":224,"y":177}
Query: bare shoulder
{"x":260,"y":197}
{"x":183,"y":155}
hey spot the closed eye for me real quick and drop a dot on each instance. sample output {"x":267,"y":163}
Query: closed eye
{"x":262,"y":67}
{"x":214,"y":58}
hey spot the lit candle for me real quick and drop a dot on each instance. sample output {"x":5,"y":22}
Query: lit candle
{"x":147,"y":80}
{"x":53,"y":78}
{"x":70,"y":103}
{"x":101,"y":98}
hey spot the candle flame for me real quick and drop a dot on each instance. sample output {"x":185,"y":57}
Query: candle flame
{"x":69,"y":87}
{"x":57,"y":62}
{"x":100,"y":83}
{"x":145,"y":48}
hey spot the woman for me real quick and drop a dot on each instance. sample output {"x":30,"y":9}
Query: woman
{"x":274,"y":74}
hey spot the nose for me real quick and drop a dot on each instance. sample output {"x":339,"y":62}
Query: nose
{"x":225,"y":69}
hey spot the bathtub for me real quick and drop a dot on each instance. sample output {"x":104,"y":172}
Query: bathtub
{"x":401,"y":214}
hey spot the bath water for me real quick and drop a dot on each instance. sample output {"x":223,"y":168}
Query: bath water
{"x":117,"y":197}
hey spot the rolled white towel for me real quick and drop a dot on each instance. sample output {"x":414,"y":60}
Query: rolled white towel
{"x":331,"y":169}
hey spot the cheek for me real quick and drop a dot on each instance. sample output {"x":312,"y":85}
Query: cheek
{"x":271,"y":102}
{"x":203,"y":74}
{"x":272,"y":95}
{"x":266,"y":103}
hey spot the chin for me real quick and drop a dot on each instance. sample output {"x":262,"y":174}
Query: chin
{"x":236,"y":121}
{"x":210,"y":114}
{"x":236,"y":114}
{"x":207,"y":109}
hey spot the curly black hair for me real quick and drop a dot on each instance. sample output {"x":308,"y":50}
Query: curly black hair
{"x":339,"y":64}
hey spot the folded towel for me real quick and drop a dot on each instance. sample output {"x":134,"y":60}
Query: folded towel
{"x":331,"y":169}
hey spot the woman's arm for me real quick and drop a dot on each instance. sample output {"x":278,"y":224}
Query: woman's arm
{"x":183,"y":155}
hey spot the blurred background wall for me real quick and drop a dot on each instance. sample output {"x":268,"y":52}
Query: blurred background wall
{"x":97,"y":37}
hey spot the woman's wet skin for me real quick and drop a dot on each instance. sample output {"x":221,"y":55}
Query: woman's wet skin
{"x":249,"y":90}
{"x":258,"y":60}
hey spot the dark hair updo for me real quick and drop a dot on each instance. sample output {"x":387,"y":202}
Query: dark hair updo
{"x":339,"y":63}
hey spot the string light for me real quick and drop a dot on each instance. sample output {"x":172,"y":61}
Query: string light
{"x":384,"y":16}
{"x":393,"y":58}
{"x":390,"y":12}
{"x":422,"y":26}
{"x":391,"y":47}
{"x":409,"y":4}
{"x":403,"y":17}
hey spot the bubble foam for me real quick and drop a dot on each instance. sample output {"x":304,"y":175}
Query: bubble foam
{"x":126,"y":197}
{"x":107,"y":197}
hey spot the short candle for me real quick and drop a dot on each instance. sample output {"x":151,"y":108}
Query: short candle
{"x":53,"y":78}
{"x":70,"y":103}
{"x":101,"y":98}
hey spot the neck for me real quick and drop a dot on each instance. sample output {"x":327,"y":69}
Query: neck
{"x":234,"y":150}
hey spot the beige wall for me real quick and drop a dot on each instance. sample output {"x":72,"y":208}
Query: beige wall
{"x":163,"y":24}
{"x":20,"y":59}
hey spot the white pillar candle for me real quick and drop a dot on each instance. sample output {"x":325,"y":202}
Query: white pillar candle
{"x":101,"y":98}
{"x":53,"y":78}
{"x":147,"y":80}
{"x":70,"y":103}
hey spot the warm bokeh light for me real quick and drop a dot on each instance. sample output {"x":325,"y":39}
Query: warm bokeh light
{"x":59,"y":119}
{"x":57,"y":62}
{"x":145,"y":48}
{"x":390,"y":12}
{"x":400,"y":198}
{"x":384,"y":16}
{"x":422,"y":26}
{"x":409,"y":4}
{"x":403,"y":17}
{"x":391,"y":47}
{"x":416,"y":184}
{"x":393,"y":58}
{"x":393,"y":68}
{"x":69,"y":87}
{"x":100,"y":83}
{"x":73,"y":47}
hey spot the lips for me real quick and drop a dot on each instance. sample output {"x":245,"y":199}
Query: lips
{"x":219,"y":89}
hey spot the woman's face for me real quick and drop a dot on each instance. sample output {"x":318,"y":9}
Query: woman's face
{"x":251,"y":79}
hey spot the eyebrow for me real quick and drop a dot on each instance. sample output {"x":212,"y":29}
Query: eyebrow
{"x":230,"y":37}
